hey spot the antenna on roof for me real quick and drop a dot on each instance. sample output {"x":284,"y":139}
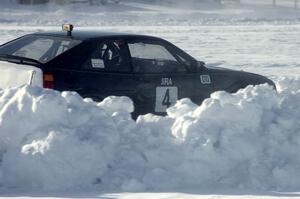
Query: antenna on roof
{"x":68,"y":28}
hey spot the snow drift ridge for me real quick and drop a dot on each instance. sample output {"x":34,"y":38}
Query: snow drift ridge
{"x":58,"y":141}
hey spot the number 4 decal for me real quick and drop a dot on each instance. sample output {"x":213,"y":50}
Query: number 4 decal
{"x":166,"y":100}
{"x":165,"y":97}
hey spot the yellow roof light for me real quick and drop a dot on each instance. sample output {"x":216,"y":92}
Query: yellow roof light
{"x":68,"y":28}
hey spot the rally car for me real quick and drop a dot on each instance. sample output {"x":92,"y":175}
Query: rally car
{"x":151,"y":71}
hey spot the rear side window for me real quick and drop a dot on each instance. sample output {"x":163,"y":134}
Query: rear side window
{"x":40,"y":48}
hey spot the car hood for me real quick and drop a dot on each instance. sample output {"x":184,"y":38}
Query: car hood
{"x":218,"y":68}
{"x":229,"y":77}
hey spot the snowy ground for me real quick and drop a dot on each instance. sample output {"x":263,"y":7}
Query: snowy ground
{"x":252,"y":154}
{"x":157,"y":195}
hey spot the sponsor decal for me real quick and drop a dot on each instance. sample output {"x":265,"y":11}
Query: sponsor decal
{"x":205,"y":79}
{"x":166,"y":81}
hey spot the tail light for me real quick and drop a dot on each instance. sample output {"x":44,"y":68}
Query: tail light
{"x":48,"y":81}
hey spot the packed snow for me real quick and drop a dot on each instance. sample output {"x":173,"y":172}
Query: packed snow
{"x":96,"y":146}
{"x":59,"y":141}
{"x":245,"y":144}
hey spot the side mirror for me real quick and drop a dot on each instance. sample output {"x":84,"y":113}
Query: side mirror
{"x":197,"y":66}
{"x":201,"y":64}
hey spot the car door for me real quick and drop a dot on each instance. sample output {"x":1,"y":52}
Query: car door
{"x":105,"y":71}
{"x":165,"y":75}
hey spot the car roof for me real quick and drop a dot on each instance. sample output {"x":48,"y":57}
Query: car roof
{"x":88,"y":35}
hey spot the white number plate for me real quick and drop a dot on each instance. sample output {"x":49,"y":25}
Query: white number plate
{"x":165,"y":97}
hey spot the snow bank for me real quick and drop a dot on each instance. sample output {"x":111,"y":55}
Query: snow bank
{"x":53,"y":141}
{"x":59,"y":141}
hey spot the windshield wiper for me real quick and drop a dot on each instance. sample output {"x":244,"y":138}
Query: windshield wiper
{"x":20,"y":60}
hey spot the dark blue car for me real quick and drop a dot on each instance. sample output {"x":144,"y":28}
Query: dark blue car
{"x":151,"y":71}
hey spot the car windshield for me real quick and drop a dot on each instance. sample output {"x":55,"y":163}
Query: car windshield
{"x":39,"y":48}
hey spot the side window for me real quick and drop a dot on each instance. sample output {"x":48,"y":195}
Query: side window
{"x":111,"y":56}
{"x":151,"y":57}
